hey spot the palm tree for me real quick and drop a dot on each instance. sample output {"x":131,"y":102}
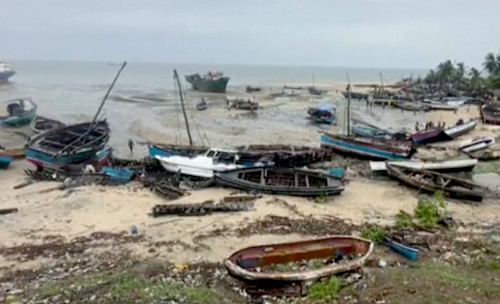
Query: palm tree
{"x":491,"y":64}
{"x":475,"y":78}
{"x":460,"y":71}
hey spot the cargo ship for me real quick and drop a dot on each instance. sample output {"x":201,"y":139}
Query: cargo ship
{"x":210,"y":82}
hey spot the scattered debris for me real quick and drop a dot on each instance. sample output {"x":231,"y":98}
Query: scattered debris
{"x":204,"y":208}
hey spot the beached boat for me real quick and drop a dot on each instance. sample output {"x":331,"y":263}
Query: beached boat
{"x":444,"y":106}
{"x":282,"y":181}
{"x":429,"y":136}
{"x":118,"y":175}
{"x":172,"y":149}
{"x":355,"y":95}
{"x":370,"y":148}
{"x":411,"y":106}
{"x":14,"y":153}
{"x":316,"y":91}
{"x":336,"y":251}
{"x":210,"y":82}
{"x":490,"y":114}
{"x":17,"y":112}
{"x":430,"y":181}
{"x":460,"y":128}
{"x":43,"y":124}
{"x":204,"y":165}
{"x":242,"y":104}
{"x":405,"y":250}
{"x":5,"y":161}
{"x":324,"y":114}
{"x":443,"y":166}
{"x":363,"y":130}
{"x":203,"y":105}
{"x":476,"y":143}
{"x":68,"y":145}
{"x":250,"y":89}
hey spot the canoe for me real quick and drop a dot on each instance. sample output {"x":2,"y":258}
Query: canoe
{"x":202,"y":106}
{"x":43,"y":124}
{"x":429,"y":136}
{"x":5,"y":162}
{"x":363,"y":130}
{"x":444,"y":106}
{"x":243,"y":264}
{"x":118,"y":175}
{"x":490,"y":113}
{"x":431,"y":181}
{"x":370,"y":148}
{"x":443,"y":166}
{"x":411,"y":106}
{"x":282,"y":181}
{"x":19,"y":112}
{"x":476,"y":143}
{"x":14,"y":153}
{"x":460,"y":128}
{"x":406,"y":251}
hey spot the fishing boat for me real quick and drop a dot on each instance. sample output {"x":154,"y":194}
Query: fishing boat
{"x":250,"y":89}
{"x":315,"y":91}
{"x":173,"y":149}
{"x":14,"y":153}
{"x":476,"y":143}
{"x":355,"y":95}
{"x":6,"y":71}
{"x":370,"y":148}
{"x":429,"y":136}
{"x":204,"y":165}
{"x":443,"y":166}
{"x":444,"y":106}
{"x":430,"y":181}
{"x":17,"y":112}
{"x":490,"y":114}
{"x":68,"y":145}
{"x":118,"y":175}
{"x":411,"y":106}
{"x":405,"y":250}
{"x":242,"y":104}
{"x":460,"y":128}
{"x":5,"y":161}
{"x":337,"y":251}
{"x":43,"y":124}
{"x":324,"y":114}
{"x":363,"y":130}
{"x":281,"y":181}
{"x":210,"y":82}
{"x":202,"y":106}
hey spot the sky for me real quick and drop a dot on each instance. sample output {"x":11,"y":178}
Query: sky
{"x":347,"y":33}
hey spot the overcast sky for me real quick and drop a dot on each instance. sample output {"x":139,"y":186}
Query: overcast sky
{"x":353,"y":33}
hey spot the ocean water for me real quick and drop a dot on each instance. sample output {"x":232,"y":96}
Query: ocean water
{"x":145,"y":106}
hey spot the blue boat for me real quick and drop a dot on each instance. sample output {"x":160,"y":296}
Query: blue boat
{"x":20,"y":112}
{"x":177,"y":150}
{"x":5,"y":161}
{"x":406,"y":251}
{"x":324,"y":114}
{"x":118,"y":175}
{"x":369,"y":148}
{"x":363,"y":130}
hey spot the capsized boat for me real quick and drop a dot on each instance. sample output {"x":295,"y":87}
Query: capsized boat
{"x":324,"y":114}
{"x":443,"y":166}
{"x":17,"y":112}
{"x":118,"y":175}
{"x":429,"y":136}
{"x":430,"y":181}
{"x":5,"y":161}
{"x":68,"y":145}
{"x":370,"y":148}
{"x":212,"y":82}
{"x":405,"y":250}
{"x":476,"y":143}
{"x":340,"y":253}
{"x":460,"y":128}
{"x":282,"y":181}
{"x":43,"y":124}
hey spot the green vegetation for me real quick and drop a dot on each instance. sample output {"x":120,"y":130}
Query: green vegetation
{"x":323,"y":198}
{"x":428,"y":212}
{"x":325,"y":290}
{"x":404,"y":219}
{"x":374,"y":233}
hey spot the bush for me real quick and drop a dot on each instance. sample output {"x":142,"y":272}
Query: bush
{"x":374,"y":233}
{"x":325,"y":290}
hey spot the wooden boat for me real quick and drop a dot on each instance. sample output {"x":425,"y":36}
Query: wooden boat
{"x":444,"y":166}
{"x":411,"y":106}
{"x":250,"y":89}
{"x":431,"y":181}
{"x":324,"y":114}
{"x":406,"y":251}
{"x":43,"y":124}
{"x":316,"y":91}
{"x":355,"y":95}
{"x":242,"y":104}
{"x":444,"y":106}
{"x":5,"y":161}
{"x":19,"y":112}
{"x":14,"y":153}
{"x":203,"y":105}
{"x":429,"y":136}
{"x":476,"y":143}
{"x":68,"y":145}
{"x":284,"y":181}
{"x":280,"y":155}
{"x":490,"y":114}
{"x":363,"y":130}
{"x":170,"y":150}
{"x":460,"y":128}
{"x":243,"y":264}
{"x":370,"y":148}
{"x":118,"y":175}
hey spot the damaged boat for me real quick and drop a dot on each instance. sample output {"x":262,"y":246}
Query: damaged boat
{"x":18,"y":112}
{"x":338,"y":254}
{"x":43,"y":124}
{"x":442,"y":166}
{"x":282,"y":181}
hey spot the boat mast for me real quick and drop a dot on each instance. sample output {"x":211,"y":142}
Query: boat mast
{"x":381,"y":83}
{"x":313,"y":80}
{"x":107,"y":93}
{"x":349,"y":106}
{"x":176,"y":77}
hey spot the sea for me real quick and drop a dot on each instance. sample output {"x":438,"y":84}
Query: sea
{"x":144,"y":104}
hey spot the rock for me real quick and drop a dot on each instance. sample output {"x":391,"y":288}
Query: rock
{"x":382,"y":263}
{"x":360,"y":286}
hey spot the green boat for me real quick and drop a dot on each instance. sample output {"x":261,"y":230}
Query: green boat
{"x":17,"y":112}
{"x":210,"y":82}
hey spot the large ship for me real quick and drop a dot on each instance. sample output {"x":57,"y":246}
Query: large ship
{"x":6,"y":71}
{"x":210,"y":82}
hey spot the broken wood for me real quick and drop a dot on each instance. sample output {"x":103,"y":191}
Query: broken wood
{"x":8,"y":211}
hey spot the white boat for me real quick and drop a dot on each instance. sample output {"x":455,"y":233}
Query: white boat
{"x":204,"y":165}
{"x":6,"y":71}
{"x":460,"y":128}
{"x":444,"y":166}
{"x":476,"y":143}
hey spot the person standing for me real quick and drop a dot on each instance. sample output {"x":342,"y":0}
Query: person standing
{"x":131,"y":146}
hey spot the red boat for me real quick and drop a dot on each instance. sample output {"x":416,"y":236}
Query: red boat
{"x":429,"y":136}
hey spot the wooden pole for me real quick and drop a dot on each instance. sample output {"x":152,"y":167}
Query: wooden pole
{"x":108,"y":92}
{"x":176,"y":77}
{"x":349,"y":106}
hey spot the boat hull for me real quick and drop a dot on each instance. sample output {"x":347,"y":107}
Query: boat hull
{"x":430,"y":136}
{"x":206,"y":85}
{"x":21,"y":120}
{"x":14,"y":153}
{"x":446,"y":166}
{"x":406,"y":251}
{"x":459,"y":130}
{"x":4,"y":76}
{"x":200,"y":167}
{"x":68,"y":162}
{"x":5,"y":162}
{"x":490,"y":115}
{"x":175,"y":150}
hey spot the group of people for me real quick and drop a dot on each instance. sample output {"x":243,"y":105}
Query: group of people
{"x":429,"y":125}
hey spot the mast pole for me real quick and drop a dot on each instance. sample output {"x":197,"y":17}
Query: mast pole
{"x":349,"y":106}
{"x":107,"y":93}
{"x":176,"y":77}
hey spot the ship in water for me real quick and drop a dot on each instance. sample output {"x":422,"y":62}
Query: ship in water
{"x":210,"y":82}
{"x":6,"y":71}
